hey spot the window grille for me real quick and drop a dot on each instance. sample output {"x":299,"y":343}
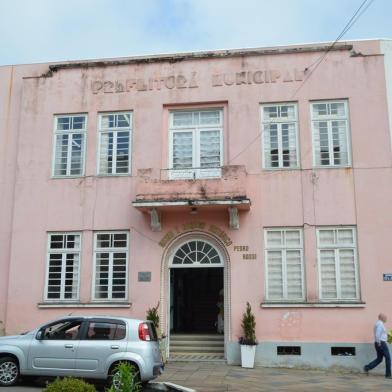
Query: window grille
{"x":196,"y":144}
{"x":63,"y":267}
{"x":111,"y":266}
{"x":280,"y":139}
{"x":115,"y":140}
{"x":69,"y":149}
{"x":284,"y":264}
{"x":196,"y":253}
{"x":330,"y":133}
{"x":337,"y":258}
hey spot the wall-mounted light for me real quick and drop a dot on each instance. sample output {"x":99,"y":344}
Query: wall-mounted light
{"x":193,"y":211}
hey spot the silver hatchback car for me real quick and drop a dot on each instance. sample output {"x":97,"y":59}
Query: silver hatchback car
{"x":81,"y":346}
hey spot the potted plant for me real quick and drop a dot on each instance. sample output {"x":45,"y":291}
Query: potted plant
{"x":248,"y":341}
{"x":152,"y":315}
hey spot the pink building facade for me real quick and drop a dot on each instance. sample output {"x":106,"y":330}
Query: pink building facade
{"x":203,"y":181}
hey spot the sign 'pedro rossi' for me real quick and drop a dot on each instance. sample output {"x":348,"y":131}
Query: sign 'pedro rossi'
{"x":183,"y":81}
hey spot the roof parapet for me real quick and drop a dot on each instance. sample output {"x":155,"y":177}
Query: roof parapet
{"x":178,"y":57}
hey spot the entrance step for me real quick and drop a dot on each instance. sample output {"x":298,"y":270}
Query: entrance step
{"x":197,"y":347}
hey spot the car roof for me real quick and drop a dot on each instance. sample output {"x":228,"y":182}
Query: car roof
{"x":98,"y":316}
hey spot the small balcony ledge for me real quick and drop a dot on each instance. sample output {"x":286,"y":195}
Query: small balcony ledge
{"x":156,"y":194}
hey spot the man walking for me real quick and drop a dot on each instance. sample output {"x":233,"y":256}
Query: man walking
{"x":380,"y":343}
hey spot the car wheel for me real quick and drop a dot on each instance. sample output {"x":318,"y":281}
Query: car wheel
{"x":114,"y":377}
{"x":9,"y":371}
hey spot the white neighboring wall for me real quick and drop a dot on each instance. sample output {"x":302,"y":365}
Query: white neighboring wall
{"x":386,"y":49}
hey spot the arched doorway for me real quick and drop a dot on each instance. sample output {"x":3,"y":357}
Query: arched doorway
{"x":196,"y":289}
{"x":195,"y":294}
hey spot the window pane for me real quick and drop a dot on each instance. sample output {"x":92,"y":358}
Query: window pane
{"x":337,"y":109}
{"x":328,"y":274}
{"x":346,"y":236}
{"x":122,"y":163}
{"x":210,"y":149}
{"x":182,"y":150}
{"x":274,"y":238}
{"x":103,"y":240}
{"x":294,"y":274}
{"x":182,"y":119}
{"x":347,"y":274}
{"x":210,"y":118}
{"x":61,"y":155}
{"x":78,"y":122}
{"x":293,"y":238}
{"x":120,"y":240}
{"x":275,"y":275}
{"x":320,"y":109}
{"x":327,"y":237}
{"x":63,"y":123}
{"x":270,"y":112}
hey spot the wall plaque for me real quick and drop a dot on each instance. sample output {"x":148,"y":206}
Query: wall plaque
{"x":387,"y":277}
{"x":144,"y":276}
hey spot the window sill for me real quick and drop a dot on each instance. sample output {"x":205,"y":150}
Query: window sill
{"x":350,"y":166}
{"x":68,"y":177}
{"x":44,"y":305}
{"x":340,"y":304}
{"x":278,"y":169}
{"x":113,"y":175}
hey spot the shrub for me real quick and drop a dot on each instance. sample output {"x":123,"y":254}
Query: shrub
{"x":248,"y":325}
{"x":69,"y":384}
{"x":152,"y":315}
{"x":125,"y":379}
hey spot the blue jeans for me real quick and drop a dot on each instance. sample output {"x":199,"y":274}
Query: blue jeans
{"x":382,"y":351}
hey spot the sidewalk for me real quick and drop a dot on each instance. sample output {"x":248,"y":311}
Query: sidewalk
{"x":219,"y":377}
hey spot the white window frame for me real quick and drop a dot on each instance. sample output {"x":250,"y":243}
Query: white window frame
{"x":284,"y":249}
{"x":280,"y":121}
{"x":110,"y":279}
{"x":196,"y":172}
{"x":336,"y":247}
{"x":115,"y":131}
{"x":329,"y":118}
{"x":63,"y":252}
{"x":70,"y":132}
{"x":197,"y":264}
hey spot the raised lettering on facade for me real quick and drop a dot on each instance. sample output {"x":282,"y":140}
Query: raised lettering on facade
{"x":189,"y":81}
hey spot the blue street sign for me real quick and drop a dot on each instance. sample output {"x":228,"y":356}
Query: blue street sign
{"x":387,"y":277}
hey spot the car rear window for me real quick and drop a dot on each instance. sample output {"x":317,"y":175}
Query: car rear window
{"x":106,"y":331}
{"x":153,"y":332}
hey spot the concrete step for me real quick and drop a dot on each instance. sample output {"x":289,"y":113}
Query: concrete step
{"x":196,"y":337}
{"x":197,"y":343}
{"x":193,"y":349}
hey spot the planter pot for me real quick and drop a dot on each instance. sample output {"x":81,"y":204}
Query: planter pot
{"x":248,"y":356}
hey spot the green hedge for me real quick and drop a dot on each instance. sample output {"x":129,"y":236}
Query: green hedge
{"x":69,"y":384}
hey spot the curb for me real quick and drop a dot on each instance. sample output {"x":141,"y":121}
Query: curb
{"x":179,"y":387}
{"x":169,"y":386}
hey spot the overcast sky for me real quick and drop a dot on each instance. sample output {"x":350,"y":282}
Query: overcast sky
{"x":51,"y":30}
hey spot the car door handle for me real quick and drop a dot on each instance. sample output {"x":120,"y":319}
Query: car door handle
{"x":114,"y":347}
{"x":68,"y":345}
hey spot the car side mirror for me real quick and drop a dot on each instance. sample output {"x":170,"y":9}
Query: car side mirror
{"x":40,"y":335}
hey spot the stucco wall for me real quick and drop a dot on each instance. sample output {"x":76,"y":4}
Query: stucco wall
{"x":306,"y":198}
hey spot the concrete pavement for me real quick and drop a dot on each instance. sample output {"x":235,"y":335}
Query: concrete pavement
{"x":219,"y":377}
